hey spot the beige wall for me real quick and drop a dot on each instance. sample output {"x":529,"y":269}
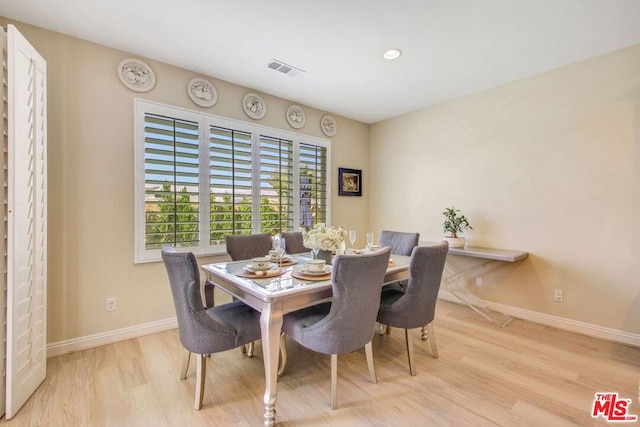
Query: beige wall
{"x":91,"y":182}
{"x":549,"y":165}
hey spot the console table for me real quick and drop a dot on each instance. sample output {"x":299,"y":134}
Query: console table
{"x":491,"y":258}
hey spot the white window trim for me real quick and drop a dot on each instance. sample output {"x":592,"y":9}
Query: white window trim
{"x":142,"y":106}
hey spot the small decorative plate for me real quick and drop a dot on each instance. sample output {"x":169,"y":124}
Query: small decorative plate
{"x":136,"y":75}
{"x":254,"y":106}
{"x":275,"y":259}
{"x":259,"y":274}
{"x":253,"y":270}
{"x":202,"y":92}
{"x":304,"y":269}
{"x":295,"y":117}
{"x":329,"y":125}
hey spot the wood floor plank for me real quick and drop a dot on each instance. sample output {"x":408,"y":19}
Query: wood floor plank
{"x":520,"y":375}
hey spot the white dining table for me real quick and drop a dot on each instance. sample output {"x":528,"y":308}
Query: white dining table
{"x":276,"y":296}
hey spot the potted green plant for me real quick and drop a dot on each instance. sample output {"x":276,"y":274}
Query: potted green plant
{"x":454,"y":223}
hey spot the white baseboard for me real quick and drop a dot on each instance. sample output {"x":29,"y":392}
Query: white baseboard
{"x":583,"y":328}
{"x":90,"y":341}
{"x":609,"y":334}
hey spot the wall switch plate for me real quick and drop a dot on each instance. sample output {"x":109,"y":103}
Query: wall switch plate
{"x":558,"y":295}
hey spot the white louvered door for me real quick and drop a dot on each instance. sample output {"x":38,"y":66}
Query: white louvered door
{"x":3,"y":229}
{"x":26,"y":221}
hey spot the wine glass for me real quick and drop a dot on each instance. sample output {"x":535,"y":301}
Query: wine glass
{"x":352,"y":238}
{"x":280,"y":246}
{"x":369,"y":241}
{"x":315,"y":248}
{"x":283,"y":250}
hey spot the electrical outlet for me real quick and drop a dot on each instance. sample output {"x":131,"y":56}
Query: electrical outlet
{"x":479,"y":281}
{"x":558,"y":295}
{"x":111,"y":303}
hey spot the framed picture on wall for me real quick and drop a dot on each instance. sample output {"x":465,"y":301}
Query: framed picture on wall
{"x":349,"y":182}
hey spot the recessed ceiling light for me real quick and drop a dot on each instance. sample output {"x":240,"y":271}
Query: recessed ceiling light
{"x":391,"y":54}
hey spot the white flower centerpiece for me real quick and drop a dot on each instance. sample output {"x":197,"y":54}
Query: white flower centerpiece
{"x":323,"y":240}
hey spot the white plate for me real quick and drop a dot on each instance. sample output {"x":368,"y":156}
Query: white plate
{"x":329,"y":126}
{"x":254,"y":106}
{"x":284,"y":258}
{"x":295,"y":117}
{"x":136,"y":75}
{"x":305,"y":270}
{"x":269,"y":273}
{"x":202,"y":92}
{"x":252,"y":270}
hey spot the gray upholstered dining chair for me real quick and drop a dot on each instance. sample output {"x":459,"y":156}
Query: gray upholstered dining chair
{"x":247,"y":246}
{"x":415,"y":307}
{"x":240,"y":247}
{"x":294,"y":242}
{"x":401,"y":243}
{"x":204,"y":331}
{"x":347,"y":322}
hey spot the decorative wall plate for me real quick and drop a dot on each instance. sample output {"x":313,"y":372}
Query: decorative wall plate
{"x":295,"y":117}
{"x":202,"y":92}
{"x":254,"y":106}
{"x":136,"y":75}
{"x":329,"y":125}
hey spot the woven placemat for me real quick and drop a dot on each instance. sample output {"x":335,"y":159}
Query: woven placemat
{"x":268,"y":274}
{"x":312,"y":278}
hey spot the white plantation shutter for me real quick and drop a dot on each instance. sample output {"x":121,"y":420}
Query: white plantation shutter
{"x":231,"y":171}
{"x":313,"y":185}
{"x":276,"y":184}
{"x":168,"y":181}
{"x":172,"y":180}
{"x":26,"y":221}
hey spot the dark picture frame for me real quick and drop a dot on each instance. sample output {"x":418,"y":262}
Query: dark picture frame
{"x":349,"y":182}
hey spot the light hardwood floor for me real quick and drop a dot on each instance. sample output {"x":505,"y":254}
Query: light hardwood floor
{"x":521,"y":375}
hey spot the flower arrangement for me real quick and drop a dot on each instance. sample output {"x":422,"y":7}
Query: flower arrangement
{"x":322,"y":237}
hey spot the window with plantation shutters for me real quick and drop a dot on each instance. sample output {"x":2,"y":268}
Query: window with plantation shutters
{"x":276,"y":184}
{"x":231,"y":169}
{"x":200,"y":178}
{"x":172,"y":179}
{"x":313,"y":175}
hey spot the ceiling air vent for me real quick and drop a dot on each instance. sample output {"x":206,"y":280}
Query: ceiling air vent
{"x":287,"y":69}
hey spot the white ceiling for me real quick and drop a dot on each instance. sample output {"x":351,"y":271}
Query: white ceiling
{"x":451,"y":47}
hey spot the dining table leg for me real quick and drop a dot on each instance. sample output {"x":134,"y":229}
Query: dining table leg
{"x":270,"y":326}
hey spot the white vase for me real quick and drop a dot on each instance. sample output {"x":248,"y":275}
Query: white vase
{"x":342,"y":248}
{"x":455,"y":242}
